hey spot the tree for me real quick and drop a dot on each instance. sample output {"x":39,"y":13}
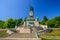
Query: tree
{"x":57,"y":21}
{"x":19,"y":22}
{"x":1,"y":23}
{"x":44,"y":22}
{"x":45,"y":19}
{"x":54,"y":23}
{"x":9,"y":23}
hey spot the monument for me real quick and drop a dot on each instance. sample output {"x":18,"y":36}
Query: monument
{"x":31,"y":21}
{"x":31,"y":24}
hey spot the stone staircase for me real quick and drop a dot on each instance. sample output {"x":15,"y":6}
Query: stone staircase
{"x":22,"y":35}
{"x":20,"y":39}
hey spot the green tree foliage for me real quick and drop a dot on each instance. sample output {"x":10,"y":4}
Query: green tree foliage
{"x":51,"y":24}
{"x":19,"y":22}
{"x":45,"y":19}
{"x":57,"y":21}
{"x":54,"y":23}
{"x":9,"y":23}
{"x":1,"y":23}
{"x":44,"y":22}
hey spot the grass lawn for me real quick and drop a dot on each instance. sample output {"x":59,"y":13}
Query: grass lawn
{"x":54,"y":35}
{"x":3,"y":33}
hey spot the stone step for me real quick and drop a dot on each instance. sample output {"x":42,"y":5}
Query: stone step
{"x":23,"y":35}
{"x":21,"y":39}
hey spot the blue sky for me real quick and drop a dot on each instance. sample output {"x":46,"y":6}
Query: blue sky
{"x":20,"y":8}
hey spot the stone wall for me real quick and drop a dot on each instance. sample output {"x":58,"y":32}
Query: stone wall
{"x":43,"y":26}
